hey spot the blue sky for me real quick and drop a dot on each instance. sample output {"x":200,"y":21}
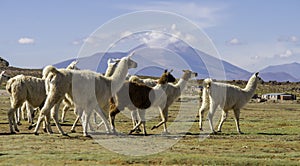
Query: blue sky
{"x":251,"y":34}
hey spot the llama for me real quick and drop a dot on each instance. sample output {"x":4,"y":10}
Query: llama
{"x":173,"y":92}
{"x":3,"y":77}
{"x":139,"y":96}
{"x":27,"y":90}
{"x":21,"y":89}
{"x":147,"y":81}
{"x":88,"y":90}
{"x":111,"y":67}
{"x":226,"y":97}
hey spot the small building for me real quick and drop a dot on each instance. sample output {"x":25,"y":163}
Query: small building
{"x":278,"y":96}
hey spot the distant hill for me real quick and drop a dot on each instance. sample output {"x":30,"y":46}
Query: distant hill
{"x":13,"y":71}
{"x":152,"y":62}
{"x":285,"y":72}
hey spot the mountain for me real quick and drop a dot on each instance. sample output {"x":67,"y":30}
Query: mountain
{"x":152,"y":62}
{"x":285,"y":72}
{"x":278,"y":76}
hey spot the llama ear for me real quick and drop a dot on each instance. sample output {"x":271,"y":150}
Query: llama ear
{"x":256,"y":74}
{"x":109,"y":61}
{"x":171,"y":71}
{"x":132,"y":53}
{"x":116,"y":60}
{"x":166,"y":70}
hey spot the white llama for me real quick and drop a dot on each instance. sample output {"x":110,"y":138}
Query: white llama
{"x":111,"y":67}
{"x":3,"y":77}
{"x":88,"y":90}
{"x":173,"y":92}
{"x":226,"y":97}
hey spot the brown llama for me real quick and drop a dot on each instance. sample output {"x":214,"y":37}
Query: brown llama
{"x":138,"y":96}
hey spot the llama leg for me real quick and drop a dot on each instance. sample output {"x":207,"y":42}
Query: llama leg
{"x":25,"y":108}
{"x":211,"y":113}
{"x":112,"y":115}
{"x":45,"y":111}
{"x":224,"y":117}
{"x":47,"y":125}
{"x":135,"y":120}
{"x":85,"y":123}
{"x":63,"y":114}
{"x":99,"y":112}
{"x":78,"y":114}
{"x":237,"y":120}
{"x":142,"y":116}
{"x":11,"y":120}
{"x":165,"y":114}
{"x":29,"y":112}
{"x":163,"y":117}
{"x":201,"y":114}
{"x":95,"y":118}
{"x":54,"y":116}
{"x":18,"y":116}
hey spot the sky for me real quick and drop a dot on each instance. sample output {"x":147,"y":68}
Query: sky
{"x":251,"y":34}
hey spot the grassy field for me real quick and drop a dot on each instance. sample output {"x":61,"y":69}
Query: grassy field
{"x":271,"y":138}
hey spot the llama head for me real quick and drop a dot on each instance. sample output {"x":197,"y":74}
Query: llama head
{"x":258,"y":78}
{"x":166,"y":77}
{"x":187,"y":74}
{"x":131,"y":63}
{"x":73,"y":66}
{"x":3,"y":77}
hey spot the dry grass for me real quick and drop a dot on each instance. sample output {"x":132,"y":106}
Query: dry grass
{"x":271,"y":138}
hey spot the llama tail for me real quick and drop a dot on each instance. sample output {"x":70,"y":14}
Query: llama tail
{"x":47,"y":70}
{"x":205,"y":92}
{"x":9,"y":84}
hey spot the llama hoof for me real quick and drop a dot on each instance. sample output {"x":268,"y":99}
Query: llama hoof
{"x":36,"y":133}
{"x":17,"y":130}
{"x":214,"y":133}
{"x":154,"y":127}
{"x":130,"y":132}
{"x":219,"y":131}
{"x":45,"y":130}
{"x":12,"y":132}
{"x":201,"y":129}
{"x":30,"y":127}
{"x":73,"y":131}
{"x":65,"y":134}
{"x":240,"y":132}
{"x":19,"y":123}
{"x":138,"y":130}
{"x":87,"y":135}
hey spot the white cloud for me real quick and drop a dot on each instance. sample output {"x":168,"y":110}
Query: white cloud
{"x":125,"y":34}
{"x":204,"y":15}
{"x":286,"y":54}
{"x":291,"y":39}
{"x":294,"y":39}
{"x":26,"y":40}
{"x":234,"y":41}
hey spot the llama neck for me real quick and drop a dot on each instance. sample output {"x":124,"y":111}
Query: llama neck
{"x":119,"y":76}
{"x":251,"y":86}
{"x":181,"y":84}
{"x":110,"y":70}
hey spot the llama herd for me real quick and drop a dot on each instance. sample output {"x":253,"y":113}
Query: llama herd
{"x":92,"y":94}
